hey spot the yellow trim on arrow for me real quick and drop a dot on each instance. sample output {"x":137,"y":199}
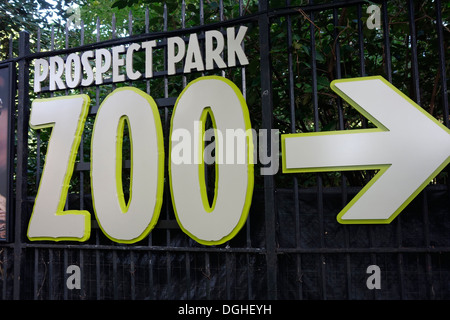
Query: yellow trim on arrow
{"x":381,"y":167}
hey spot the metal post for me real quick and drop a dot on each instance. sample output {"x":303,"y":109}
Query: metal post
{"x":22,"y":155}
{"x":387,"y":43}
{"x":267,"y":123}
{"x":443,"y":77}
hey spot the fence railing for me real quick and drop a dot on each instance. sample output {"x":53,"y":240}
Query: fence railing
{"x":291,"y":246}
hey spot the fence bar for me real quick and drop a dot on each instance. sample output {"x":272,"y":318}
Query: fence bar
{"x":294,"y":130}
{"x":4,"y":253}
{"x":414,"y":63}
{"x":22,"y":155}
{"x":417,"y":98}
{"x":362,"y":66}
{"x":442,"y":71}
{"x":36,"y":278}
{"x":338,"y":75}
{"x":155,"y":265}
{"x":387,"y":43}
{"x":267,"y":123}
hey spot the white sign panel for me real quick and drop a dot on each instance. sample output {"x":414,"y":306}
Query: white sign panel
{"x":409,"y":147}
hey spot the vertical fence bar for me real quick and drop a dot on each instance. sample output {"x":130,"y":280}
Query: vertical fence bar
{"x":93,"y":111}
{"x":36,"y":278}
{"x":362,"y":66}
{"x":248,"y":224}
{"x":148,"y":90}
{"x":293,"y":130}
{"x":417,"y":98}
{"x":207,"y":256}
{"x":228,"y":277}
{"x":228,"y":256}
{"x":166,"y":134}
{"x":317,"y":128}
{"x":443,"y":74}
{"x":5,"y":260}
{"x":115,"y":274}
{"x":65,"y":250}
{"x":130,"y":23}
{"x":267,"y":123}
{"x":414,"y":63}
{"x":10,"y":47}
{"x":83,"y":275}
{"x":183,"y":26}
{"x":65,"y":264}
{"x":22,"y":155}
{"x":187,"y":256}
{"x":50,"y":274}
{"x":133,"y":275}
{"x":50,"y":250}
{"x":387,"y":43}
{"x":362,"y":72}
{"x":207,"y":274}
{"x":338,"y":75}
{"x":150,"y":276}
{"x":442,"y":71}
{"x":38,"y":169}
{"x":81,"y":153}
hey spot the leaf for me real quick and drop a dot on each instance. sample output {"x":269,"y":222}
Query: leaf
{"x":214,"y":5}
{"x":322,"y":82}
{"x":320,"y":57}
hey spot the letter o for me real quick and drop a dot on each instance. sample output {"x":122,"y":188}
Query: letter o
{"x":234,"y":181}
{"x":73,"y":82}
{"x":127,"y":223}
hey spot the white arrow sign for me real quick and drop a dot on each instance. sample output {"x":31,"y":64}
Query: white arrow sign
{"x":409,"y":146}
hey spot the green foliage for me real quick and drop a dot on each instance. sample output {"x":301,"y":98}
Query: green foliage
{"x":335,"y":35}
{"x":16,"y":16}
{"x":326,"y":51}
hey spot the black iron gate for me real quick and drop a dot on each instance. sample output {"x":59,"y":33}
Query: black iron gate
{"x":291,"y":246}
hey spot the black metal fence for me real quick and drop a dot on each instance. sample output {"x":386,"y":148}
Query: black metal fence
{"x":291,"y":246}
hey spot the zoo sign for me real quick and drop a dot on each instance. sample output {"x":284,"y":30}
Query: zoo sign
{"x":132,"y":221}
{"x":408,"y":154}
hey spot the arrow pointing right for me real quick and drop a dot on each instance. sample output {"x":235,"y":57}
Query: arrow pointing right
{"x":409,"y":146}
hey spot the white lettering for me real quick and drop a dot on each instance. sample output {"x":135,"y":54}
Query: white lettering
{"x":74,"y":280}
{"x":213,"y":54}
{"x":117,"y":62}
{"x":206,"y":311}
{"x":87,"y":68}
{"x":181,"y":151}
{"x":56,"y":69}
{"x":100,"y":67}
{"x":73,"y":60}
{"x":131,"y":74}
{"x":172,"y":56}
{"x":235,"y":47}
{"x":79,"y":69}
{"x":193,"y":55}
{"x":251,"y":309}
{"x":374,"y":280}
{"x":148,"y":46}
{"x":40,"y":73}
